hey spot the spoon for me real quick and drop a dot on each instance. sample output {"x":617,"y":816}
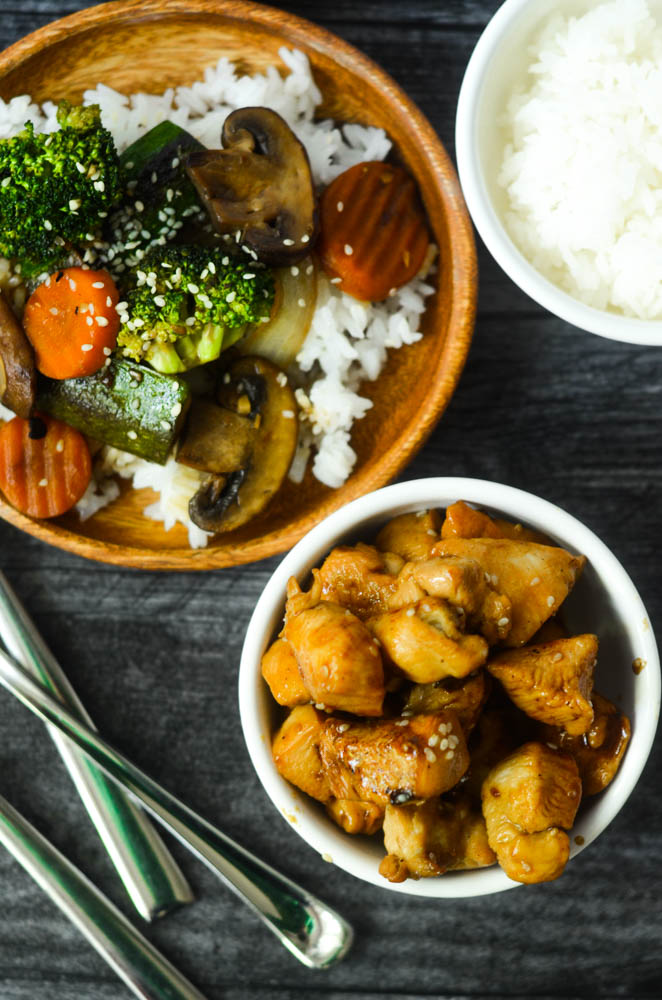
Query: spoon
{"x":310,"y":930}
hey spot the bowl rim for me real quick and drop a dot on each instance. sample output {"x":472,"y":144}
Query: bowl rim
{"x":429,"y":409}
{"x":370,"y":510}
{"x":510,"y":258}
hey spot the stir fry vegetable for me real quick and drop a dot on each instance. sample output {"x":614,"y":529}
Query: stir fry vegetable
{"x":56,"y":189}
{"x":45,"y":466}
{"x":187,"y":304}
{"x":72,"y":323}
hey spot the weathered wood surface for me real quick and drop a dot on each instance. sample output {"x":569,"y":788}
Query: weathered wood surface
{"x":569,"y":416}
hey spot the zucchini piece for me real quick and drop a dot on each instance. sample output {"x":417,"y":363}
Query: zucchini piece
{"x":125,"y":405}
{"x":160,"y":197}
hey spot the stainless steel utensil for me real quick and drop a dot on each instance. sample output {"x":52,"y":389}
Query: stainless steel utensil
{"x":313,"y":932}
{"x":137,"y":962}
{"x":153,"y":881}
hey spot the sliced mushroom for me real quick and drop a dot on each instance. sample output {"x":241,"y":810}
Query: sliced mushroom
{"x":259,"y":185}
{"x":253,"y":429}
{"x":17,"y":371}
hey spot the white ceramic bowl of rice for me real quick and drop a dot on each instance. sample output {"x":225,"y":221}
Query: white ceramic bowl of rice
{"x":604,"y":601}
{"x":560,"y":159}
{"x":374,"y":377}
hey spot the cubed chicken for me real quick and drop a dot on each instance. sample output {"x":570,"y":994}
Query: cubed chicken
{"x":356,"y":817}
{"x":359,"y":578}
{"x":530,"y":799}
{"x":536,"y":578}
{"x":552,"y":682}
{"x":465,"y":697}
{"x":426,"y":643}
{"x":598,"y":753}
{"x":463,"y":521}
{"x":339,"y":660}
{"x":281,"y":672}
{"x":410,"y":535}
{"x":394,"y":760}
{"x":463,"y":583}
{"x":429,"y":838}
{"x":296,"y":751}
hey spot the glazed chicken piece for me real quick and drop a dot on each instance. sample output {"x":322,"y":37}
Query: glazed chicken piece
{"x":426,"y":643}
{"x":529,"y":800}
{"x":465,"y":697}
{"x":552,"y":681}
{"x":410,"y":536}
{"x":356,"y":817}
{"x":296,"y":751}
{"x":432,"y":837}
{"x":281,"y":672}
{"x":394,"y":760}
{"x":598,"y":752}
{"x":463,"y":583}
{"x":339,"y":659}
{"x":536,"y":578}
{"x":463,"y":521}
{"x":359,"y":578}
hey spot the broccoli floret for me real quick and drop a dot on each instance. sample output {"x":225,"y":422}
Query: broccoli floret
{"x":56,"y":188}
{"x":185,"y":304}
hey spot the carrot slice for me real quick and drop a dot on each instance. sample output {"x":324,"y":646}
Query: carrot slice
{"x":72,"y":322}
{"x":44,"y":475}
{"x":373,"y":231}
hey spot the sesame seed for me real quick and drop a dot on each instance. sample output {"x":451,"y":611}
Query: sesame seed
{"x":154,"y":177}
{"x":281,"y":378}
{"x":86,"y":347}
{"x":248,"y":276}
{"x":99,"y":186}
{"x":139,"y":206}
{"x":101,"y":320}
{"x":335,"y":281}
{"x":288,"y":414}
{"x":430,"y":755}
{"x":305,"y":239}
{"x":47,"y":225}
{"x":176,"y":409}
{"x":557,"y":657}
{"x":349,"y":250}
{"x":74,"y":204}
{"x":60,"y":445}
{"x":434,"y":739}
{"x":301,"y":302}
{"x":535,"y":580}
{"x":340,"y":206}
{"x":432,"y":532}
{"x":190,"y":321}
{"x":109,"y":301}
{"x":80,"y":168}
{"x":503,"y":622}
{"x":444,"y":744}
{"x":231,"y":296}
{"x":131,"y":435}
{"x":165,"y":425}
{"x":288,"y":243}
{"x":98,"y":284}
{"x":550,"y":601}
{"x":407,"y":711}
{"x":450,"y":754}
{"x":426,"y":608}
{"x":402,"y":722}
{"x":107,"y":351}
{"x":410,"y":612}
{"x":170,"y":194}
{"x":193,"y":289}
{"x":54,"y":311}
{"x":43,"y":482}
{"x":224,"y":262}
{"x":442,"y":727}
{"x":159,"y":301}
{"x":343,"y":727}
{"x":89,"y":320}
{"x":453,"y":741}
{"x":294,"y":270}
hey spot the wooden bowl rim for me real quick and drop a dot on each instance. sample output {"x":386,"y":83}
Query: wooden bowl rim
{"x":307,"y":35}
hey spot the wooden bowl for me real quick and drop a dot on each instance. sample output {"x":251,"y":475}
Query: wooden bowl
{"x":153,"y":44}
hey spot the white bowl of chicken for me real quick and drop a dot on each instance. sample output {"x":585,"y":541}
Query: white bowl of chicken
{"x":449,"y":687}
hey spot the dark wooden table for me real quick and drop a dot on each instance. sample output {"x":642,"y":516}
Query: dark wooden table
{"x":542,"y":406}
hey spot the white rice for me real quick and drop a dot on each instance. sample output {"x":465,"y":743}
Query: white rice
{"x":582,"y":165}
{"x":348,"y":340}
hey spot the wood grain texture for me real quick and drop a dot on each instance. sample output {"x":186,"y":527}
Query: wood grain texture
{"x":137,"y":46}
{"x":541,"y":406}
